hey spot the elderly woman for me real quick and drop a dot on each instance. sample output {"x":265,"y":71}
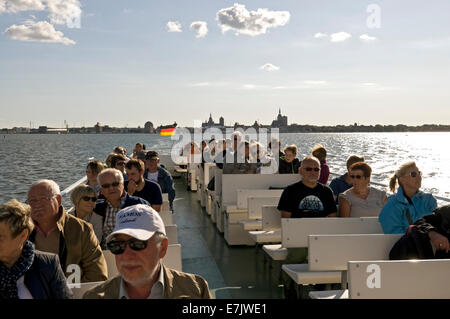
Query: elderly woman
{"x":83,"y":198}
{"x":26,"y":273}
{"x":409,"y":203}
{"x":93,"y":168}
{"x":289,"y":163}
{"x":361,"y":200}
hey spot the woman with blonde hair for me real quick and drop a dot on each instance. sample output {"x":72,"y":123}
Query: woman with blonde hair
{"x":408,"y":204}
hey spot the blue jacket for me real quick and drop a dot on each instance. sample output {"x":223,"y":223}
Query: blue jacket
{"x":45,"y":278}
{"x":393,"y":218}
{"x":101,"y":204}
{"x":338,"y":185}
{"x":165,"y":181}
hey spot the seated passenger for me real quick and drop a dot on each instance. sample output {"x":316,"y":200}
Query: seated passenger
{"x":342,"y":183}
{"x":265,"y":163}
{"x":409,"y":204}
{"x":83,"y":198}
{"x":116,"y":198}
{"x":160,"y":175}
{"x":361,"y":200}
{"x":321,"y":154}
{"x":243,"y":163}
{"x":139,"y":243}
{"x":59,"y":233}
{"x":92,"y":170}
{"x":118,"y":162}
{"x":139,"y":151}
{"x":289,"y":163}
{"x":121,"y":150}
{"x":138,"y":186}
{"x":26,"y":273}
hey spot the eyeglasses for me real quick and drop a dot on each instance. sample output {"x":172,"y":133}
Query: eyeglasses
{"x":414,"y":174}
{"x":356,"y":176}
{"x":309,"y":169}
{"x":114,"y":184}
{"x":118,"y":247}
{"x":35,"y":201}
{"x":87,"y":198}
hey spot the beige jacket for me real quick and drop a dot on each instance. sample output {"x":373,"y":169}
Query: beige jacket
{"x":177,"y":285}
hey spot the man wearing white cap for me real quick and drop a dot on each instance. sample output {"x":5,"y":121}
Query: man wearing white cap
{"x":139,"y":242}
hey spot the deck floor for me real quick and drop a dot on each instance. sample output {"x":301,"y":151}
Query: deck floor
{"x":236,"y":272}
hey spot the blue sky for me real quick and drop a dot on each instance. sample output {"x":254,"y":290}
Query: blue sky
{"x":121,"y":65}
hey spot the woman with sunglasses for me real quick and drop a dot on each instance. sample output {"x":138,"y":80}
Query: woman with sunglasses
{"x":361,"y":200}
{"x":83,"y":198}
{"x":409,"y":203}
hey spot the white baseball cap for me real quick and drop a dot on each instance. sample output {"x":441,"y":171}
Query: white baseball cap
{"x":139,"y":221}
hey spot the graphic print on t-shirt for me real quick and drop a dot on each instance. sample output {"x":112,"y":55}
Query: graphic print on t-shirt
{"x":311,"y":203}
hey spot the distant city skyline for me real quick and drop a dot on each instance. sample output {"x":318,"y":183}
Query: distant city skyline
{"x":321,"y":62}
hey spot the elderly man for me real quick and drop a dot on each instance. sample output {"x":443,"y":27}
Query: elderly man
{"x":139,"y":242}
{"x":140,"y":187}
{"x":72,"y":239}
{"x":160,"y":175}
{"x":116,"y":198}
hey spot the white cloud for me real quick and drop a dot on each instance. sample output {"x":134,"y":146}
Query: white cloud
{"x":174,"y":26}
{"x":200,"y":27}
{"x":65,"y":12}
{"x":319,"y":35}
{"x":2,"y":6}
{"x":252,"y":23}
{"x":14,"y":6}
{"x":269,"y":67}
{"x":41,"y":31}
{"x":311,"y":82}
{"x":367,"y":38}
{"x":340,"y":36}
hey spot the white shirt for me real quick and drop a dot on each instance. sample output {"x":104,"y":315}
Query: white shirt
{"x":157,"y":291}
{"x":153,"y":177}
{"x":22,"y":290}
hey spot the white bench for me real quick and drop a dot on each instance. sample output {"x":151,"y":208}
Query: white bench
{"x":271,"y":230}
{"x":167,"y":217}
{"x":78,"y":290}
{"x":255,"y":205}
{"x":333,"y":252}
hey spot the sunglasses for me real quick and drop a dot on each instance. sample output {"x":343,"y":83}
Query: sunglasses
{"x":309,"y":169}
{"x":414,"y":174}
{"x":115,"y":184}
{"x":87,"y":198}
{"x":118,"y":247}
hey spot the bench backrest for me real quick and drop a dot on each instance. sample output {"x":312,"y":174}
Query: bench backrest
{"x":208,"y":172}
{"x":333,"y":252}
{"x":218,"y":182}
{"x":232,"y":182}
{"x":244,"y":194}
{"x":406,"y":279}
{"x":255,"y":205}
{"x":295,"y":231}
{"x":167,"y":217}
{"x":271,"y":218}
{"x":172,"y":233}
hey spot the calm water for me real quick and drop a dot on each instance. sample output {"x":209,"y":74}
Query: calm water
{"x":63,"y":158}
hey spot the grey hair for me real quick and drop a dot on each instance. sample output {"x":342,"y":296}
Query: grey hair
{"x":17,"y":216}
{"x":118,"y":174}
{"x":51,"y":185}
{"x":310,"y":158}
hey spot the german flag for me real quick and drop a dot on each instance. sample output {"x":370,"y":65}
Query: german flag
{"x":167,"y":131}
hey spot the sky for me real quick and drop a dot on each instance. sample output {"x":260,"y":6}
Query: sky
{"x":323,"y":62}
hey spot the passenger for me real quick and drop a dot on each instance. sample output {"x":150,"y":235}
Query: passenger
{"x":139,"y":151}
{"x":265,"y":163}
{"x":407,"y":205}
{"x":116,"y":198}
{"x":274,"y":147}
{"x":243,"y":163}
{"x":361,"y":200}
{"x":138,"y":186}
{"x":93,"y":168}
{"x":108,"y":160}
{"x":121,"y":150}
{"x":59,"y":233}
{"x":321,"y":154}
{"x":139,"y":244}
{"x":118,"y":162}
{"x":160,"y":175}
{"x":26,"y":273}
{"x":83,"y":198}
{"x":289,"y":163}
{"x":342,"y":183}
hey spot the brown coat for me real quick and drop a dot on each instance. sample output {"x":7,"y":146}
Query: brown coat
{"x":177,"y":285}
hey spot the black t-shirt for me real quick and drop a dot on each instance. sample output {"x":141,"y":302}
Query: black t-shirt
{"x":151,"y":192}
{"x":302,"y":201}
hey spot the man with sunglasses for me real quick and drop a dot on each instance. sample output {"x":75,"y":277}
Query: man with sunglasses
{"x":71,"y":238}
{"x":139,"y":243}
{"x":112,"y":187}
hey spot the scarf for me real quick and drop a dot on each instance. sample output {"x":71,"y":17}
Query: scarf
{"x":9,"y":276}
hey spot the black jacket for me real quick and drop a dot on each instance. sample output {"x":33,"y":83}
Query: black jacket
{"x":45,"y":278}
{"x":289,"y":168}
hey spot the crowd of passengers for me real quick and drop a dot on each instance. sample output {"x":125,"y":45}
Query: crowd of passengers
{"x":117,"y":210}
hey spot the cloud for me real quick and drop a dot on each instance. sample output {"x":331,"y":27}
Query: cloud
{"x":340,"y":36}
{"x":174,"y":26}
{"x":311,"y":82}
{"x":367,"y":38}
{"x":269,"y":67}
{"x":319,"y":35}
{"x":65,"y":12}
{"x":14,"y":6}
{"x":2,"y":6}
{"x":200,"y":27}
{"x":41,"y":31}
{"x":252,"y":23}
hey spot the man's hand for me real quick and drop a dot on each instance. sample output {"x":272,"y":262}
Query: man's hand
{"x":131,"y":187}
{"x":439,"y":241}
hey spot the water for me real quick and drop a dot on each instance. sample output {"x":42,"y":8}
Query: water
{"x":63,"y":158}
